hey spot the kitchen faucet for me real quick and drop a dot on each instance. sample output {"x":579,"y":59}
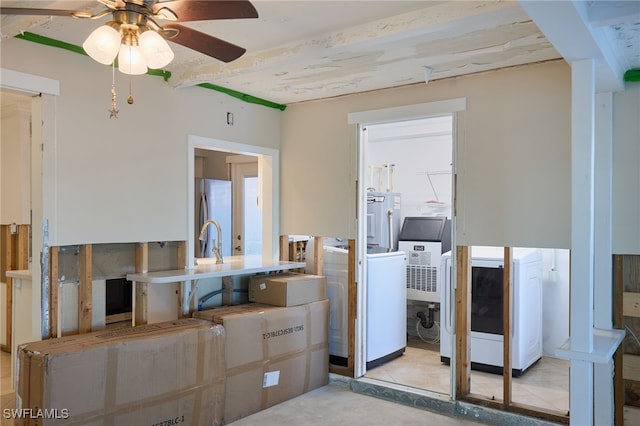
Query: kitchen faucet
{"x":216,"y":250}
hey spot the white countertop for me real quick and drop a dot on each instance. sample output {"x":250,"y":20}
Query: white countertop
{"x":207,"y":268}
{"x":23,"y":274}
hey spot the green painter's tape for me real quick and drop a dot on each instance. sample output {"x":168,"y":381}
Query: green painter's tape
{"x":161,"y":73}
{"x":632,"y":75}
{"x":243,"y":96}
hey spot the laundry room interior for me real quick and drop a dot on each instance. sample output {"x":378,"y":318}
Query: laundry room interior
{"x":409,"y":168}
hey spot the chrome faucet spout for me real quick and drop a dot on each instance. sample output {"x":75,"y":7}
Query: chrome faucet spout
{"x":217,"y":251}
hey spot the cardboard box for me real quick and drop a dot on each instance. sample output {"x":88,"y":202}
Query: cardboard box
{"x":287,"y":289}
{"x":158,"y":374}
{"x":273,"y":353}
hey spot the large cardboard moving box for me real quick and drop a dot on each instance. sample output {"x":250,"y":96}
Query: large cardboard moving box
{"x":161,"y":374}
{"x":289,"y":289}
{"x":273,"y":353}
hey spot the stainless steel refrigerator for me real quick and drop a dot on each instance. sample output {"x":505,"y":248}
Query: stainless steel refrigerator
{"x":213,"y":200}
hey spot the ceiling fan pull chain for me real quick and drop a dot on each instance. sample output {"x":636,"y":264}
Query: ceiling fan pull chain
{"x":130,"y":98}
{"x":113,"y":112}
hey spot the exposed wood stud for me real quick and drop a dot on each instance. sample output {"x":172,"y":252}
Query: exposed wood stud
{"x":507,"y":308}
{"x":8,"y":265}
{"x":618,"y":358}
{"x":631,"y":367}
{"x":352,"y":307}
{"x":23,"y":247}
{"x":55,"y":325}
{"x":631,"y":304}
{"x":284,"y":247}
{"x":85,"y":291}
{"x":140,"y":289}
{"x":463,"y":321}
{"x":318,"y":255}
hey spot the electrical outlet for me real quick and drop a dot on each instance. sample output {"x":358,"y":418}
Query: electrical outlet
{"x":13,"y":228}
{"x":230,"y":118}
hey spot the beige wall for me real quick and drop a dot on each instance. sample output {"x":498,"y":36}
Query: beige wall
{"x":626,"y":176}
{"x":125,"y":179}
{"x":513,"y":157}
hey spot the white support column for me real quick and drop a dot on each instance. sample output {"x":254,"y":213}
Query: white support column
{"x":582,"y":239}
{"x":603,"y":268}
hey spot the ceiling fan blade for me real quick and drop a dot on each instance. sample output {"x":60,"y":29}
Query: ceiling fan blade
{"x":203,"y":43}
{"x":204,"y":10}
{"x":44,"y":12}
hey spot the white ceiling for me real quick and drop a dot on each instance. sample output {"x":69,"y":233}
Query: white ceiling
{"x":307,"y":49}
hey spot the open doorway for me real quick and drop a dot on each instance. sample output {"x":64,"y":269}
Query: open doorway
{"x":253,"y":174}
{"x":413,"y":161}
{"x":226,"y":189}
{"x":542,"y":382}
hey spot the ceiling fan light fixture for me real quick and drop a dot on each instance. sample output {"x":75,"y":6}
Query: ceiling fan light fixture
{"x":166,"y":14}
{"x":131,"y":60}
{"x":103,"y":44}
{"x":155,"y":49}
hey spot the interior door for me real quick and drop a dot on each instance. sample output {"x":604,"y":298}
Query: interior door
{"x":247,"y":216}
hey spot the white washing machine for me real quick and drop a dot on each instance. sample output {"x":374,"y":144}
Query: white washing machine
{"x":386,"y":305}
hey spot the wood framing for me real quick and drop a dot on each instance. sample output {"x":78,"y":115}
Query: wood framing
{"x":515,"y":407}
{"x":507,"y":309}
{"x":85,"y":290}
{"x":463,"y":375}
{"x":55,"y":325}
{"x":352,"y":309}
{"x":318,"y":255}
{"x":626,"y":278}
{"x":140,"y":289}
{"x":631,"y":304}
{"x":15,"y":256}
{"x":8,"y":264}
{"x":463,"y":321}
{"x":618,"y":303}
{"x":284,"y":247}
{"x":352,"y":295}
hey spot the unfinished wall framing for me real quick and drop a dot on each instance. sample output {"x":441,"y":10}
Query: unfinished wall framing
{"x":83,"y":265}
{"x":289,"y":251}
{"x":14,"y":241}
{"x":626,"y":278}
{"x":463,"y":343}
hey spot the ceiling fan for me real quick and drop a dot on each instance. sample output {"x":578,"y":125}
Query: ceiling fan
{"x":135,"y":35}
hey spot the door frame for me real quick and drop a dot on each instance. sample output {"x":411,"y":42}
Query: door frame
{"x":43,"y":110}
{"x":239,"y":171}
{"x":386,"y":115}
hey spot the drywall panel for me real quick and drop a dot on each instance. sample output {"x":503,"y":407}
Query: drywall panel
{"x":124,"y":179}
{"x":513,"y":157}
{"x":626,"y":173}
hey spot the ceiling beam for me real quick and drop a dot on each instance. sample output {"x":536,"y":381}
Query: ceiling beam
{"x":567,"y":26}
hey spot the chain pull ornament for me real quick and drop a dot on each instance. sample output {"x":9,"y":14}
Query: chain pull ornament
{"x":113,"y":112}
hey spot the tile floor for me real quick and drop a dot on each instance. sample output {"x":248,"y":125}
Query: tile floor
{"x":544,"y":385}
